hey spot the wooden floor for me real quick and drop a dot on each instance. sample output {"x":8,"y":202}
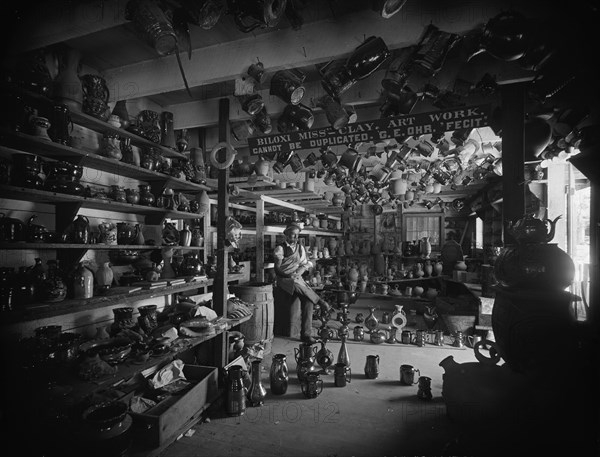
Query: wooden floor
{"x":368,"y":417}
{"x":381,"y":417}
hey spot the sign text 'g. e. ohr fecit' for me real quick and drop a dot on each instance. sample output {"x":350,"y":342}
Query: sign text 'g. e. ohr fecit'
{"x":374,"y":131}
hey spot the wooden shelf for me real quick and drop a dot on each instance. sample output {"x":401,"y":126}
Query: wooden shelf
{"x":44,"y":196}
{"x":128,"y":368}
{"x":89,"y":159}
{"x":98,"y":246}
{"x":413,"y":280}
{"x":115,"y":295}
{"x":95,"y":124}
{"x":100,"y":126}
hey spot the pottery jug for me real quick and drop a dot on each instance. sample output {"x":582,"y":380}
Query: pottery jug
{"x":146,"y":196}
{"x":125,"y":233}
{"x":67,"y":85}
{"x":372,"y":367}
{"x":79,"y":232}
{"x":324,"y":358}
{"x":11,"y":229}
{"x":371,"y":321}
{"x":236,"y":391}
{"x":278,"y":375}
{"x":104,"y":276}
{"x":35,"y":233}
{"x":54,"y":287}
{"x":83,"y":282}
{"x":185,"y":236}
{"x":257,"y":392}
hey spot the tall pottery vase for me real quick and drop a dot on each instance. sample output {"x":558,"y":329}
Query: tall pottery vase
{"x":67,"y":85}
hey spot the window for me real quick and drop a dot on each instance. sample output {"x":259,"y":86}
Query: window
{"x":419,"y":226}
{"x":568,"y":194}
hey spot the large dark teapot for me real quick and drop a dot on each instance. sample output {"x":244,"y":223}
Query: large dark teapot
{"x":530,"y":229}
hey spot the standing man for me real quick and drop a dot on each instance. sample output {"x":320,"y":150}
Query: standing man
{"x":291,"y":262}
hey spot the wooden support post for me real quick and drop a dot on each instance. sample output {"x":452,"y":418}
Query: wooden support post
{"x":220,"y":289}
{"x":260,"y":241}
{"x":513,"y":134}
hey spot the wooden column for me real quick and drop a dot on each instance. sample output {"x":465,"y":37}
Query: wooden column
{"x":260,"y":241}
{"x":220,"y":289}
{"x":513,"y":135}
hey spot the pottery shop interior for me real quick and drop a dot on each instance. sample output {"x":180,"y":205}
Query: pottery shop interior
{"x":299,"y":228}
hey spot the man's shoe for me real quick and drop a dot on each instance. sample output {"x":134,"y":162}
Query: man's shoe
{"x":308,"y":340}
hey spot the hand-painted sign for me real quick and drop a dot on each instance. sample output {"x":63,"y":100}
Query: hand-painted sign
{"x":374,"y":131}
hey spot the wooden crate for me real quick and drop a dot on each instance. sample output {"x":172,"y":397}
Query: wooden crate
{"x":174,"y":415}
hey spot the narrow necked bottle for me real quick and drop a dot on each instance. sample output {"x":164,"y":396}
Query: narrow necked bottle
{"x":343,"y":356}
{"x":257,"y":392}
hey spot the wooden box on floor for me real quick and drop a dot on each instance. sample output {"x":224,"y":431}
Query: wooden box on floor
{"x":175,"y":414}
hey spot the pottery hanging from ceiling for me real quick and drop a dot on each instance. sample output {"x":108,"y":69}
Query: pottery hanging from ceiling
{"x":504,"y":37}
{"x":251,"y":14}
{"x":537,"y":136}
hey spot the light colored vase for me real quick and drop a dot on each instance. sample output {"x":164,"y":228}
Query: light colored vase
{"x":104,"y":276}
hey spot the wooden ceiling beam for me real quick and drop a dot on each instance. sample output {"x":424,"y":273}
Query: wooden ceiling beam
{"x":314,"y":43}
{"x":49,"y":22}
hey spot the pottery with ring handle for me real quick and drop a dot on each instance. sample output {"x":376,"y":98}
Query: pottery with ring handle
{"x":494,"y":357}
{"x":229,"y":157}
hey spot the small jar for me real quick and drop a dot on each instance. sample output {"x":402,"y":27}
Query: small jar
{"x":117,"y":193}
{"x":146,"y":197}
{"x":132,"y":196}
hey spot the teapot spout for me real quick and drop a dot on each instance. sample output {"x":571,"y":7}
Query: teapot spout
{"x":448,"y":364}
{"x":552,"y":228}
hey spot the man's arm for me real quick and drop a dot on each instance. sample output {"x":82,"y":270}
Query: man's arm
{"x":278,"y":256}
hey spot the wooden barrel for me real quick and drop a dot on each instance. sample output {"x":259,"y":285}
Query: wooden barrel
{"x":260,"y":327}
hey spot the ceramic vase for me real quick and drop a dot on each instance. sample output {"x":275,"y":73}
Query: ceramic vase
{"x":278,"y":375}
{"x":83,"y":283}
{"x":67,"y":85}
{"x":104,"y":276}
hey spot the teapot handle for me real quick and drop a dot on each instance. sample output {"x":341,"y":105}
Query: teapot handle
{"x":494,"y":357}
